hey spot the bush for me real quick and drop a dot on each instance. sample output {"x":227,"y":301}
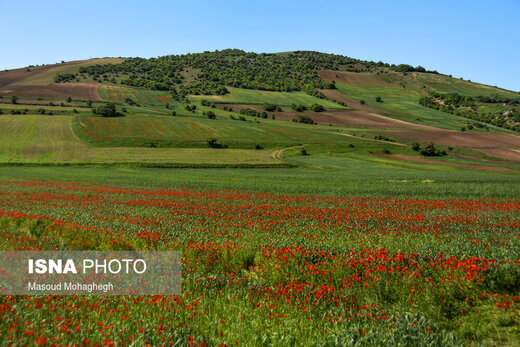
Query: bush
{"x":210,"y":114}
{"x":362,"y":102}
{"x":431,"y":151}
{"x":317,"y":108}
{"x":378,"y":99}
{"x":14,"y":99}
{"x":416,"y":146}
{"x":106,"y":110}
{"x":272,"y":108}
{"x":298,"y":108}
{"x":69,"y":99}
{"x":304,"y":119}
{"x":303,"y":151}
{"x":258,"y":146}
{"x":213,"y":143}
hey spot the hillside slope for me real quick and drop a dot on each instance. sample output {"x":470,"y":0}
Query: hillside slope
{"x":261,"y":103}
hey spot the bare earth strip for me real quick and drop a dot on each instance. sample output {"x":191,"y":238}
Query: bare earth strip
{"x":278,"y":153}
{"x":77,"y":91}
{"x":503,"y":146}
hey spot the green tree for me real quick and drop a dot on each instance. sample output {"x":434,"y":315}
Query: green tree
{"x":107,"y":110}
{"x":317,"y":108}
{"x":14,"y":99}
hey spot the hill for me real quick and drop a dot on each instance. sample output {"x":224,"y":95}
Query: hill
{"x":256,"y":104}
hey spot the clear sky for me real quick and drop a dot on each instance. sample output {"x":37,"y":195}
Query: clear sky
{"x":477,"y":40}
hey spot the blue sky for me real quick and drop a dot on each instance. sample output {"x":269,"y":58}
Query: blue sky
{"x":476,"y":40}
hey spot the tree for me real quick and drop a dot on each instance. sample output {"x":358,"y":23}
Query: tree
{"x":430,"y":151}
{"x":69,"y":99}
{"x":317,"y":108}
{"x":14,"y":99}
{"x":362,"y":102}
{"x":210,"y":114}
{"x":378,"y":99}
{"x":106,"y":110}
{"x":89,"y":103}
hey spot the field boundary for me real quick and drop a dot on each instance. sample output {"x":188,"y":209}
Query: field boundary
{"x":162,"y":165}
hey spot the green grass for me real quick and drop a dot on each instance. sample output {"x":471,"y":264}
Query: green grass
{"x":194,"y":131}
{"x":340,"y":177}
{"x":43,"y":139}
{"x":258,"y":97}
{"x":119,"y":94}
{"x":403,"y":104}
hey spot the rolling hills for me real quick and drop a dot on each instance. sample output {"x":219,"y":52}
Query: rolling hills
{"x":231,"y":108}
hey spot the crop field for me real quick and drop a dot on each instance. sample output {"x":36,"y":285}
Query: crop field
{"x":259,"y":97}
{"x":268,"y":268}
{"x":119,"y":94}
{"x":36,"y":138}
{"x":195,"y":131}
{"x":41,"y":139}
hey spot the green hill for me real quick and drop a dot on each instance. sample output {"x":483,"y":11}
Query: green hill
{"x":247,"y":108}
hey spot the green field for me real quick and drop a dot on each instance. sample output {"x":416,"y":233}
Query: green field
{"x":323,"y":176}
{"x":119,"y":94}
{"x":141,"y":130}
{"x":259,"y":97}
{"x":40,"y":139}
{"x":400,"y":95}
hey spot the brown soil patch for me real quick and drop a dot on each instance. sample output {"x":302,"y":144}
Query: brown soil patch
{"x":364,"y":119}
{"x":19,"y":75}
{"x":78,"y":91}
{"x":497,"y":145}
{"x":422,"y":160}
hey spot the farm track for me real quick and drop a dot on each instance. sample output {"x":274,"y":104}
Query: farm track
{"x":277,"y":155}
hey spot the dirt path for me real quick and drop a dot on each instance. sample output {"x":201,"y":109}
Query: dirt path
{"x":277,"y":154}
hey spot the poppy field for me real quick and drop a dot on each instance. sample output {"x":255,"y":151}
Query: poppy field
{"x":265,"y":268}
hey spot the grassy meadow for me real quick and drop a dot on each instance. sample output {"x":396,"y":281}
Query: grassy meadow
{"x":291,"y":234}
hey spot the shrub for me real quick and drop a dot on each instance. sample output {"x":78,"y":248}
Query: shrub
{"x":210,"y":114}
{"x":416,"y":146}
{"x":298,"y":108}
{"x":317,"y":108}
{"x":430,"y":151}
{"x":272,"y":108}
{"x":304,"y":119}
{"x":106,"y":110}
{"x":378,"y":99}
{"x":213,"y":143}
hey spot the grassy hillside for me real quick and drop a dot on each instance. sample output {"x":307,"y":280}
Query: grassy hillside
{"x":261,"y":97}
{"x":40,"y":139}
{"x":377,"y":103}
